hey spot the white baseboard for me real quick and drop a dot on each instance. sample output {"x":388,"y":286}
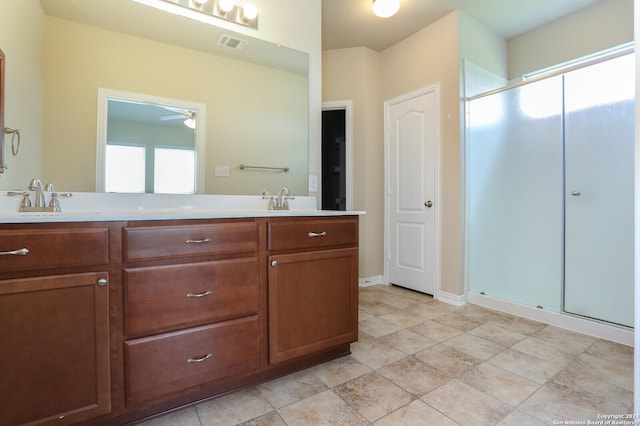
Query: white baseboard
{"x":366,"y":282}
{"x":581,"y":325}
{"x":452,"y":299}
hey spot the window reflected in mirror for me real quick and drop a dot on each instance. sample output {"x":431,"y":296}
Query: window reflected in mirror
{"x":150,"y":145}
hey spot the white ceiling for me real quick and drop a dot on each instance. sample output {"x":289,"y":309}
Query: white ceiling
{"x":351,"y":23}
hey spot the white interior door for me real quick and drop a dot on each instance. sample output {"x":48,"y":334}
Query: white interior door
{"x":412,"y":204}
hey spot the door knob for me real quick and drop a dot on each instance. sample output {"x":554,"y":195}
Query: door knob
{"x":428,"y":203}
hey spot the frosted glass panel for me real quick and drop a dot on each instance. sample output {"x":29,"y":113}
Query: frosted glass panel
{"x":599,"y":144}
{"x":515,"y":194}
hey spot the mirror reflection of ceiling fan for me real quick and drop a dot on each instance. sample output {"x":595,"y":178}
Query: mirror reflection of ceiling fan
{"x":189,"y":117}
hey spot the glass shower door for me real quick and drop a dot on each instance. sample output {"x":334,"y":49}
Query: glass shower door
{"x":599,"y":193}
{"x":514,"y":187}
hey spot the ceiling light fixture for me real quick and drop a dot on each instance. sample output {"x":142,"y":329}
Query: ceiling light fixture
{"x":385,"y":8}
{"x":228,"y":10}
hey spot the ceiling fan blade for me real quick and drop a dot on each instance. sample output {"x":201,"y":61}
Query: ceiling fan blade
{"x":174,"y":117}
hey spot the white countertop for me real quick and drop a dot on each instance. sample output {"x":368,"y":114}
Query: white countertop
{"x":90,"y":206}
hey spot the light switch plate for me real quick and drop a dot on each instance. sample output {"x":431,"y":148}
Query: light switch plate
{"x":313,"y":183}
{"x":222,"y":171}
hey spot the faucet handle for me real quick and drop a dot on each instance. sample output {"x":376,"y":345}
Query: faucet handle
{"x":55,"y":203}
{"x":26,"y":202}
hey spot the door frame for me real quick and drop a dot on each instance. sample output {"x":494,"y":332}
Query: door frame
{"x":347,"y":106}
{"x":432,"y":88}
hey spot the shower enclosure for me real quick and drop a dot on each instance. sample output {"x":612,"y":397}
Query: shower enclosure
{"x":550,"y":192}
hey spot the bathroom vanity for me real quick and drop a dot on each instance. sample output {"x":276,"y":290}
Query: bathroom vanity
{"x":116,"y":316}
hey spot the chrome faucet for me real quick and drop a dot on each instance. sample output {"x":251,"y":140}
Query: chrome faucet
{"x":40,"y":204}
{"x":36,"y":185}
{"x":282,"y":202}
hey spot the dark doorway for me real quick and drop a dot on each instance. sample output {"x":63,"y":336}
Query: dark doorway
{"x":334,"y":179}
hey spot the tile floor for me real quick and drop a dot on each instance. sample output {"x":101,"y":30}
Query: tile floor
{"x":423,"y":362}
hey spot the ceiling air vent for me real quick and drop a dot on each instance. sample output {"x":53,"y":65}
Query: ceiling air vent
{"x":232,"y":42}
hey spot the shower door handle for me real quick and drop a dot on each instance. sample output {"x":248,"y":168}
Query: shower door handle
{"x":575,"y":193}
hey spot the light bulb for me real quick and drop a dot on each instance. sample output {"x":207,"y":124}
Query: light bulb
{"x":226,"y":5}
{"x":385,"y":8}
{"x":250,"y":11}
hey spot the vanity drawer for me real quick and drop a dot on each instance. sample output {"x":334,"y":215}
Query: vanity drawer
{"x":162,"y":297}
{"x":53,"y":248}
{"x":162,"y":242}
{"x":162,"y":365}
{"x":312,"y":233}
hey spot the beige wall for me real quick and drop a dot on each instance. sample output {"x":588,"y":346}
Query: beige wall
{"x":21,"y":40}
{"x":370,"y":78}
{"x":427,"y":57}
{"x":355,"y":74}
{"x":255,"y":115}
{"x":606,"y":24}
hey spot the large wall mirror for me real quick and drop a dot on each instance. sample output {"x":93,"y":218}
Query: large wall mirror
{"x":256,"y":99}
{"x":3,"y":164}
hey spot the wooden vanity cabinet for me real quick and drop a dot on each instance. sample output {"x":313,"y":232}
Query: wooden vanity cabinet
{"x":313,"y":285}
{"x":54,"y":311}
{"x":191,"y":307}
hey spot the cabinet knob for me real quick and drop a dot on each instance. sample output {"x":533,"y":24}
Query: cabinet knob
{"x":274,"y":263}
{"x":102,"y":282}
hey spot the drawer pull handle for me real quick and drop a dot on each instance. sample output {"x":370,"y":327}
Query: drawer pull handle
{"x":206,"y":293}
{"x":202,"y":241}
{"x":19,"y":252}
{"x":199,"y":359}
{"x":317,"y":234}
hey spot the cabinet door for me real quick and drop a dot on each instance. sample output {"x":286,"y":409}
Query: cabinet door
{"x":55,"y":349}
{"x":313,"y":302}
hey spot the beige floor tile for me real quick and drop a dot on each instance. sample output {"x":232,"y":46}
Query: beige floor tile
{"x":498,"y":335}
{"x":447,"y":359}
{"x":467,"y":405}
{"x":340,"y":370}
{"x":525,"y":365}
{"x":430,"y":310}
{"x":408,"y":341}
{"x":518,"y":418}
{"x":376,"y":327}
{"x":291,"y":388}
{"x":414,"y":376}
{"x":565,"y":340}
{"x":403,"y":319}
{"x":234,"y":408}
{"x":609,"y":371}
{"x":407,"y":293}
{"x":500,"y":384}
{"x":185,"y":417}
{"x":362,"y":315}
{"x":621,"y":354}
{"x":435,"y":331}
{"x":554,"y":403}
{"x":457,"y":321}
{"x":375,"y":308}
{"x":475,"y":346}
{"x":398,"y":301}
{"x":323,"y":409}
{"x":271,"y":419}
{"x":374,"y":353}
{"x":477,"y":313}
{"x":517,"y":324}
{"x":543,"y":350}
{"x":593,"y":384}
{"x":416,"y":413}
{"x":373,"y":396}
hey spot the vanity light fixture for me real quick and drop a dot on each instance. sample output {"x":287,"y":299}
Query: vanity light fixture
{"x":385,"y":8}
{"x":229,"y":10}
